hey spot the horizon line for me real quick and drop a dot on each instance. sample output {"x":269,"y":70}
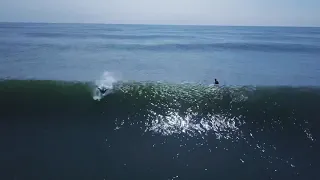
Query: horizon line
{"x":160,"y":24}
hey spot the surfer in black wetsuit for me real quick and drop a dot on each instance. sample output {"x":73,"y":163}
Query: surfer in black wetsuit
{"x":102,"y":90}
{"x":216,"y":82}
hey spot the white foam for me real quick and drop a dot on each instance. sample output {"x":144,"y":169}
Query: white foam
{"x":106,"y":80}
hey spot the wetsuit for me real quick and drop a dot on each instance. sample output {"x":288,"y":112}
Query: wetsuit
{"x":102,"y":90}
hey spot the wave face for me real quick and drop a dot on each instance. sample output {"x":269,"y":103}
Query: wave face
{"x":270,"y":128}
{"x":167,"y":108}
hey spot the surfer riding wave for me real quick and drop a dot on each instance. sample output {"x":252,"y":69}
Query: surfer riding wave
{"x":102,"y":90}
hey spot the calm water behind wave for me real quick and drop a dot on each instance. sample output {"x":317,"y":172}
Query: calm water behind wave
{"x":235,"y":55}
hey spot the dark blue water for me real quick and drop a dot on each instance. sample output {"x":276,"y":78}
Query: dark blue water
{"x":161,"y":117}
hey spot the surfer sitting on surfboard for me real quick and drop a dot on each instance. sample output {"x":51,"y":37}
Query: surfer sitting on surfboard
{"x":216,"y":81}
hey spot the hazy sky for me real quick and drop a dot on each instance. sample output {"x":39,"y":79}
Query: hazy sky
{"x":217,"y":12}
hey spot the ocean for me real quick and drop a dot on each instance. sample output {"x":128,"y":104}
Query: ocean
{"x":162,"y":118}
